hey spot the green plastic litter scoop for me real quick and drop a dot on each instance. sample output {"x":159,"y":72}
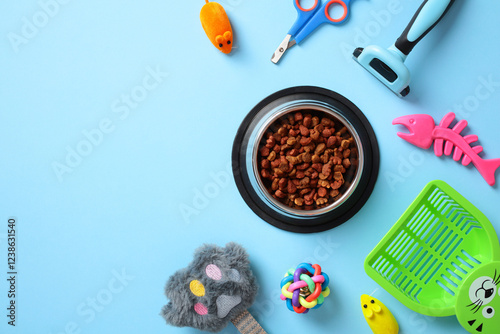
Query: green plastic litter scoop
{"x":441,"y":258}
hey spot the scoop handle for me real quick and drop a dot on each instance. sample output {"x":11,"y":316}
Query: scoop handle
{"x":426,"y":18}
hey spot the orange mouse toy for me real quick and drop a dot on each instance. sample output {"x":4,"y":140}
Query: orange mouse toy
{"x":217,"y":26}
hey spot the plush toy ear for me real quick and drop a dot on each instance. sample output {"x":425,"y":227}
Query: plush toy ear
{"x":236,"y":256}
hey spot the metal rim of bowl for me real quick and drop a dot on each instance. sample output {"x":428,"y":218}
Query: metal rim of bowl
{"x":294,"y":107}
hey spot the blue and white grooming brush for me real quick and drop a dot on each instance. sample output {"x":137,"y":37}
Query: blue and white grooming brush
{"x":387,"y":65}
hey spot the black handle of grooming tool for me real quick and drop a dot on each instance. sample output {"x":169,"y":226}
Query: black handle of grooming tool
{"x":429,"y":8}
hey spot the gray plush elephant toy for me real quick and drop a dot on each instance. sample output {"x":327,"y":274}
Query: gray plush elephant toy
{"x":218,"y":286}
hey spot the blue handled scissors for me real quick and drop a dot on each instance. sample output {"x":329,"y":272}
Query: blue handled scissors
{"x":307,"y":21}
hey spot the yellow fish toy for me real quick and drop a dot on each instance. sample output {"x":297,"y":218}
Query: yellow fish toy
{"x":378,"y":316}
{"x":217,"y":26}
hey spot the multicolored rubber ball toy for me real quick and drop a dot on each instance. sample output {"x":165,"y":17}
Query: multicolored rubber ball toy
{"x":305,"y":288}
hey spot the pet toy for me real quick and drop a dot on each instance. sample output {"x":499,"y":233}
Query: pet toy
{"x":442,"y":257}
{"x":218,"y":286}
{"x":378,"y":316}
{"x":305,"y":288}
{"x":217,"y":26}
{"x":423,"y":132}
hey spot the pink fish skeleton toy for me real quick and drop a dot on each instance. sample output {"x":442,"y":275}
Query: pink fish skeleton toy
{"x":423,"y":132}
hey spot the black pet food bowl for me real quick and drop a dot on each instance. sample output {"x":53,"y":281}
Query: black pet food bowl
{"x":360,"y":178}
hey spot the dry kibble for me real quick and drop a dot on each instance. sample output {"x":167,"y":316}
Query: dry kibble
{"x":338,"y":168}
{"x":345,"y":144}
{"x":291,"y":188}
{"x":310,"y":195}
{"x":336,"y":160}
{"x":294,"y":160}
{"x":315,"y":134}
{"x":283,"y":166}
{"x":299,"y":201}
{"x":325,"y":158}
{"x":271,"y":141}
{"x":271,"y":156}
{"x":320,"y":149}
{"x":327,"y":133}
{"x":346,"y":163}
{"x":278,"y":172}
{"x":323,"y":183}
{"x":342,"y":131}
{"x":275,"y":184}
{"x":304,"y":131}
{"x":315,"y":121}
{"x":306,"y":157}
{"x":317,"y":166}
{"x":298,"y":116}
{"x":304,"y":183}
{"x":307,"y":121}
{"x":303,"y":166}
{"x":327,"y":122}
{"x":331,"y":141}
{"x":265,"y":174}
{"x":326,"y":170}
{"x":264,"y":151}
{"x":303,"y":159}
{"x":337,"y":176}
{"x":280,"y":194}
{"x":305,"y":141}
{"x":266,"y":164}
{"x":304,"y":191}
{"x":319,"y":128}
{"x":336,"y":185}
{"x":321,"y":201}
{"x":282,"y":183}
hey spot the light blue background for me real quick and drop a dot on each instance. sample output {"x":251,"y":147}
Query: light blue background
{"x":119,"y":209}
